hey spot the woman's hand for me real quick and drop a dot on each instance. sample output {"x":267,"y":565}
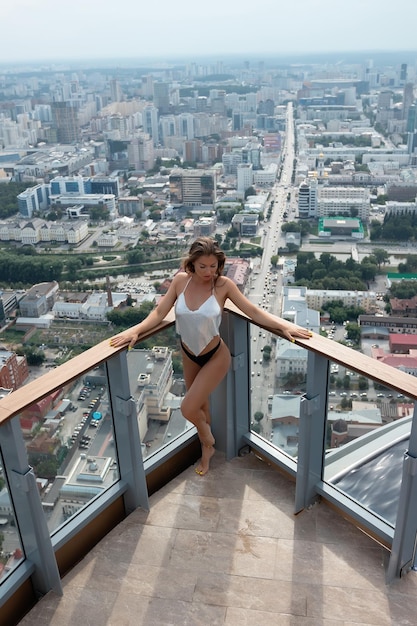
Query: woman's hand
{"x":291,"y":333}
{"x":126,"y":338}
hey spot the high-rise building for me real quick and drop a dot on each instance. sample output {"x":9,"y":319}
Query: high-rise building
{"x":192,"y":187}
{"x":116,"y":93}
{"x":161,"y":97}
{"x":147,"y":86}
{"x":150,"y":123}
{"x":307,"y":198}
{"x":65,"y":120}
{"x":186,"y":125}
{"x":384,"y":99}
{"x":193,"y":151}
{"x":272,"y":142}
{"x":412,"y":119}
{"x":408,"y":99}
{"x":141,"y":153}
{"x":315,"y":200}
{"x":230,"y":161}
{"x":33,"y":199}
{"x":244,"y":177}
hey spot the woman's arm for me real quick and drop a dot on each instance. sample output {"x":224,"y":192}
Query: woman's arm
{"x":131,"y":336}
{"x":285,"y":328}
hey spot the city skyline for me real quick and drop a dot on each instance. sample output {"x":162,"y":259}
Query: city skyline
{"x":97,"y":30}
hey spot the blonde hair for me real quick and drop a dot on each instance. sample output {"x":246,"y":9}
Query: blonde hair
{"x":204,"y":246}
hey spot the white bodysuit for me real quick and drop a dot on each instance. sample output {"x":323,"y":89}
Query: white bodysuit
{"x":197,"y":328}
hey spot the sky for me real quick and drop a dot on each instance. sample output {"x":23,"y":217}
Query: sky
{"x":118,"y":29}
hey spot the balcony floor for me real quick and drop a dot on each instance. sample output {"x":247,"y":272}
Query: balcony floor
{"x":226,"y":549}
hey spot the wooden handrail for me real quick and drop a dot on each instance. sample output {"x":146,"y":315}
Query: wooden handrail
{"x":29,"y":394}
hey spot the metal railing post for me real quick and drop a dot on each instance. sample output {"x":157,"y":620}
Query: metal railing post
{"x":311,"y":432}
{"x":230,"y":402}
{"x":30,"y":517}
{"x":403,"y":549}
{"x":126,"y":434}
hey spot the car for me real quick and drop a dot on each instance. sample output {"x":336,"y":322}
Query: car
{"x":380,"y":395}
{"x":259,"y":373}
{"x":254,"y":360}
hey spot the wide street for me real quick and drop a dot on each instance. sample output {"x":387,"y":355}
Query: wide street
{"x":265,"y":285}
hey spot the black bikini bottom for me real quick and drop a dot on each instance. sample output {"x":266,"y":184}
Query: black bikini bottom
{"x":201,"y":359}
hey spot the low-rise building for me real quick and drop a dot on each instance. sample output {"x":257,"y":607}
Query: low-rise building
{"x":39,"y":299}
{"x":366,"y":300}
{"x":340,"y":227}
{"x":150,"y":378}
{"x":246,"y":224}
{"x":13,"y":370}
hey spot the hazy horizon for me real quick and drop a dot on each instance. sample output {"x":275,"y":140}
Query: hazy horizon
{"x":48,"y":32}
{"x":380,"y":58}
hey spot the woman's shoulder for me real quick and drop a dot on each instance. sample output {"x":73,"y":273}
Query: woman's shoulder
{"x":223,"y":283}
{"x":180,"y":279}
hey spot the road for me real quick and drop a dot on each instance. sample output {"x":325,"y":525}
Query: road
{"x":265,"y":285}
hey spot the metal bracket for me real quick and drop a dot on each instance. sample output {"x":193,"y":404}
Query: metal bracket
{"x":238,"y":361}
{"x":124,"y":407}
{"x":312,"y":404}
{"x":411,"y":462}
{"x":22,"y":481}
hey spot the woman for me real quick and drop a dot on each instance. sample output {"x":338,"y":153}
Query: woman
{"x":199,"y":293}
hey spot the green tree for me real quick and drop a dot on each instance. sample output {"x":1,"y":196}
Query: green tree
{"x":381,"y":256}
{"x":258,"y":416}
{"x":8,"y":198}
{"x":345,"y":403}
{"x":73,"y":267}
{"x":353,"y":332}
{"x":250,"y":191}
{"x":363,"y":383}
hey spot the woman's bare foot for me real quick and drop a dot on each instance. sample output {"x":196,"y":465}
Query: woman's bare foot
{"x":206,"y":454}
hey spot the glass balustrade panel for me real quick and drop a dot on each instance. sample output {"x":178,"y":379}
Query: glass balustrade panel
{"x":278,"y":382}
{"x":157,"y":386}
{"x":367,"y":432}
{"x":11,"y":553}
{"x":70,"y":445}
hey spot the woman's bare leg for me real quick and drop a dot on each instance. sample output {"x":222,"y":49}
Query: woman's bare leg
{"x":202,"y":416}
{"x":200,"y":382}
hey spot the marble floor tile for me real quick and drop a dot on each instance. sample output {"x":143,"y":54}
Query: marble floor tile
{"x":227,"y":550}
